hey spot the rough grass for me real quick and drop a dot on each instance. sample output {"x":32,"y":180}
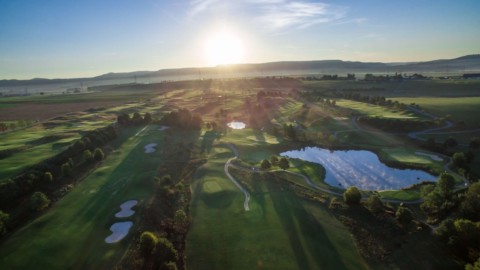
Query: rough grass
{"x":74,"y":229}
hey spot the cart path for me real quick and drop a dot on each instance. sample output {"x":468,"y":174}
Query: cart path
{"x":307,"y":180}
{"x":225,"y":168}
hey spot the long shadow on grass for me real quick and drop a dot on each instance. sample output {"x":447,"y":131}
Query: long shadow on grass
{"x":129,"y":172}
{"x":208,"y":138}
{"x":299,"y":224}
{"x":259,"y":135}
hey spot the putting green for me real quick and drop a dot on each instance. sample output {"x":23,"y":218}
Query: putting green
{"x":211,"y":187}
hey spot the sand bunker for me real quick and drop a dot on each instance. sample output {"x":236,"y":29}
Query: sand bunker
{"x":119,"y":231}
{"x":126,"y":209}
{"x":162,"y":128}
{"x":433,"y":157}
{"x":150,"y":148}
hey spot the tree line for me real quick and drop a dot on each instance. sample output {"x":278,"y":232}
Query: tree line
{"x":33,"y":190}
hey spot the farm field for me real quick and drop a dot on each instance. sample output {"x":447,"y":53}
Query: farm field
{"x":85,"y":214}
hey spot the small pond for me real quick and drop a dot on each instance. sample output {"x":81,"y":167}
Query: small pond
{"x":236,"y":125}
{"x":359,"y":168}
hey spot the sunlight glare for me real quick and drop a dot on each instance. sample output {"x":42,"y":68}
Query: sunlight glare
{"x":223,"y":48}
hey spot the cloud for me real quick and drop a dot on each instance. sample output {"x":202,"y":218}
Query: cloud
{"x":299,"y":14}
{"x":199,"y":6}
{"x":277,"y":14}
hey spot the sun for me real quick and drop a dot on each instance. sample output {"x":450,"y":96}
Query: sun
{"x":224,"y":48}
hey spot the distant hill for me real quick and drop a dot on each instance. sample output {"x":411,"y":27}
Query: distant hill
{"x":464,"y":64}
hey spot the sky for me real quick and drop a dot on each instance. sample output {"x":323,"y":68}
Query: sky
{"x":70,"y":38}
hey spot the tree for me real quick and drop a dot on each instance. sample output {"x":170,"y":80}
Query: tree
{"x":165,"y":251}
{"x":474,"y":266}
{"x":352,"y":196}
{"x":148,"y":242}
{"x":3,"y":222}
{"x":470,"y":206}
{"x":265,"y":164}
{"x":459,"y":160}
{"x":123,"y":119}
{"x":374,"y":204}
{"x":446,"y":184}
{"x":48,"y":177}
{"x":147,"y":118}
{"x":180,"y":221}
{"x":283,"y":163}
{"x":170,"y":266}
{"x":445,"y":230}
{"x":87,"y":156}
{"x":427,"y":189}
{"x":403,"y":215}
{"x":98,"y":154}
{"x":66,"y":169}
{"x":475,"y":143}
{"x":137,"y":119}
{"x":39,"y":201}
{"x":433,"y":204}
{"x":450,"y":142}
{"x":274,"y":160}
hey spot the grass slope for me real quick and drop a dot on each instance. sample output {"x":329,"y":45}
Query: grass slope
{"x":280,"y":230}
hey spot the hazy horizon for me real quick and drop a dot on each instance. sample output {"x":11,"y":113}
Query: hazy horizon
{"x":85,"y":39}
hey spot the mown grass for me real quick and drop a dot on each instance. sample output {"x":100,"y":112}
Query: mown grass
{"x":64,"y":130}
{"x":368,"y":140}
{"x":279,"y":231}
{"x":457,"y":108}
{"x":34,"y":150}
{"x":404,"y":195}
{"x":71,"y":234}
{"x":372,"y":110}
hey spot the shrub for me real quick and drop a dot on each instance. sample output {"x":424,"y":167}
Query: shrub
{"x":171,"y":266}
{"x":39,"y":201}
{"x":98,"y":154}
{"x":374,"y":204}
{"x":66,"y":169}
{"x":87,"y":156}
{"x":352,"y":196}
{"x":283,"y":163}
{"x":48,"y":177}
{"x":3,"y":222}
{"x":165,"y":251}
{"x":265,"y":164}
{"x":274,"y":160}
{"x":148,"y":241}
{"x":403,"y":215}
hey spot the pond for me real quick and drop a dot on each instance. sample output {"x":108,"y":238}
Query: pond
{"x":236,"y":125}
{"x":359,"y":168}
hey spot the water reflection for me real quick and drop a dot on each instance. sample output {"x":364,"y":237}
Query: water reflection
{"x":236,"y":125}
{"x":359,"y":168}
